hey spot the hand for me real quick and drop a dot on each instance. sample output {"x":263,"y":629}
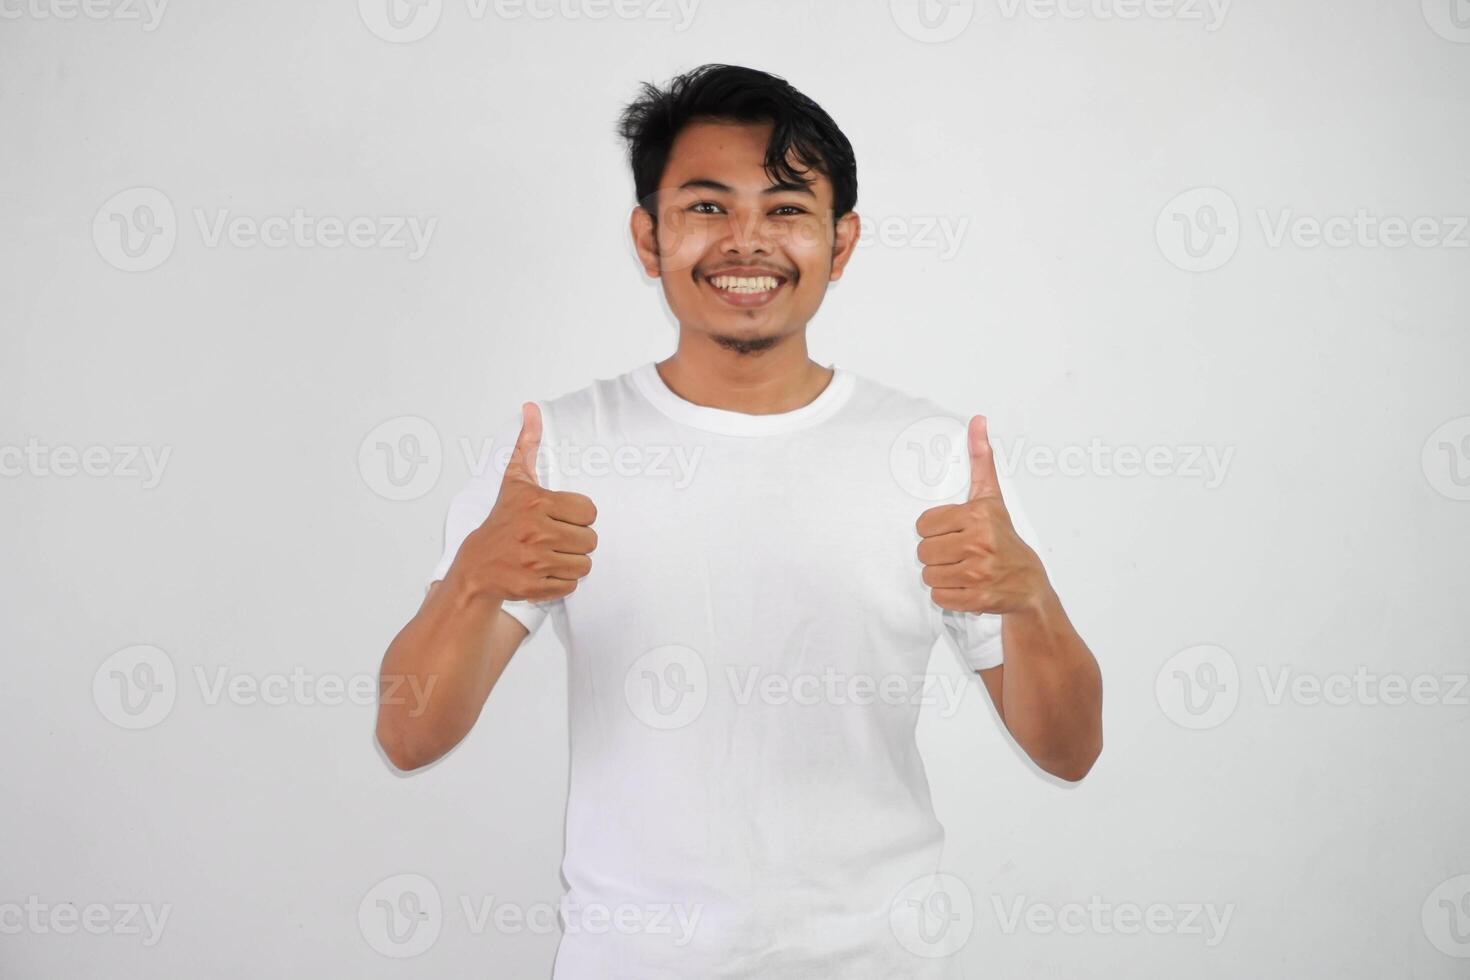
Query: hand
{"x":535,"y":542}
{"x":974,"y":561}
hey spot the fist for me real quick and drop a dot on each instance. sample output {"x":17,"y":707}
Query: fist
{"x":974,"y":561}
{"x":535,"y":542}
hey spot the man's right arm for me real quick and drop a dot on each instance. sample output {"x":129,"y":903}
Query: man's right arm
{"x":439,"y":670}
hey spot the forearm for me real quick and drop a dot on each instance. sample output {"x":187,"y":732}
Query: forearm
{"x":438,"y":672}
{"x":1052,"y":693}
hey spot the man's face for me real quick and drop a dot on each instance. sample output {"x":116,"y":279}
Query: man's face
{"x":742,"y":260}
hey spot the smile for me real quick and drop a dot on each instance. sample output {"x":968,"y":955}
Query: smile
{"x":746,"y":291}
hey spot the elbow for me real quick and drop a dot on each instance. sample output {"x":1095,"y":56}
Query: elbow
{"x":1072,"y":773}
{"x":400,"y":747}
{"x":1075,"y":767}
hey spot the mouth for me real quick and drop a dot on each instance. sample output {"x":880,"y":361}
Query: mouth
{"x":745,"y":292}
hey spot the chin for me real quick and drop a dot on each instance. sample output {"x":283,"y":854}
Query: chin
{"x":745,"y":345}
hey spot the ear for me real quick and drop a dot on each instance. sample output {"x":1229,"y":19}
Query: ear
{"x":645,"y":240}
{"x":844,"y":241}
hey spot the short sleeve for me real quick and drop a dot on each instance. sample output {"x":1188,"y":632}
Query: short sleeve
{"x":975,"y":638}
{"x":472,"y":504}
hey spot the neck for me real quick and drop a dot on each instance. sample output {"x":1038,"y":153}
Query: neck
{"x":781,"y":378}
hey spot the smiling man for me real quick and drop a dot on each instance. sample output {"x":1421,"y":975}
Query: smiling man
{"x":747,"y":655}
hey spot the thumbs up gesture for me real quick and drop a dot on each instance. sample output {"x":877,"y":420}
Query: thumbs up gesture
{"x":535,"y":542}
{"x":974,"y":561}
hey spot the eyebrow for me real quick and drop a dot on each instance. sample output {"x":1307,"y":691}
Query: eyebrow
{"x":704,"y":183}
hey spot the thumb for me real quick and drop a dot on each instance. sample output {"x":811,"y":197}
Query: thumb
{"x":522,"y":465}
{"x":984,"y":481}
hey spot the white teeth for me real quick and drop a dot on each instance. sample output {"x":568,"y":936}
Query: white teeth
{"x":745,"y":284}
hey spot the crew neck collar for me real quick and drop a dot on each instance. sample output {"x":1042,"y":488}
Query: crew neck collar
{"x":730,"y":423}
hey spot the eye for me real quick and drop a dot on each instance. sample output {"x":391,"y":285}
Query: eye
{"x":701,"y":204}
{"x":795,"y":209}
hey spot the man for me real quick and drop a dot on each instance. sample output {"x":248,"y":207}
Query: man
{"x":778,"y":545}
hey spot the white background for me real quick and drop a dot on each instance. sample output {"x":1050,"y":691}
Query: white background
{"x":1334,"y":542}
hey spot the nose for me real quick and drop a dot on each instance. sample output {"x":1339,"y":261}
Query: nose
{"x":748,"y":232}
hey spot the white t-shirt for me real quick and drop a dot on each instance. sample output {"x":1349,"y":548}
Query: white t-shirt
{"x":745,"y":668}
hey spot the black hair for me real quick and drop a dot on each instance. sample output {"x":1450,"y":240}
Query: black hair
{"x":730,"y":93}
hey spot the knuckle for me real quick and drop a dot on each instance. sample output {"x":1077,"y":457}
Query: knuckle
{"x":556,"y":588}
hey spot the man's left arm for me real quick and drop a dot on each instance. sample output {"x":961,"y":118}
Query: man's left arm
{"x":1049,"y":689}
